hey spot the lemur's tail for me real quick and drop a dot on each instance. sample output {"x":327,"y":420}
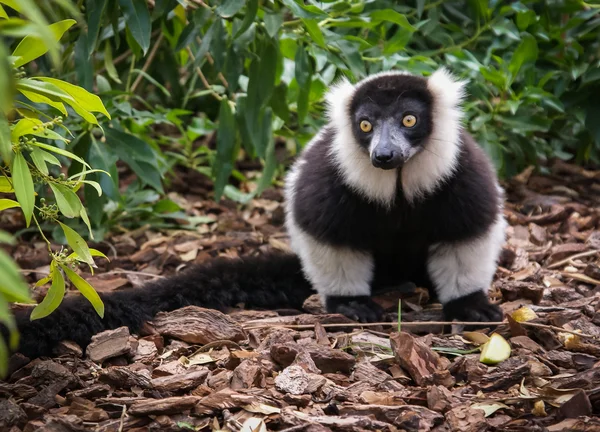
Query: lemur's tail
{"x":264,"y":282}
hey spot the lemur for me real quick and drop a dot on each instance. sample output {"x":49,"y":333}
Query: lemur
{"x":391,"y":189}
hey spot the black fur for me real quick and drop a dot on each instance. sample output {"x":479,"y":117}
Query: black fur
{"x":358,"y":308}
{"x":269,"y":282}
{"x":474,"y":307}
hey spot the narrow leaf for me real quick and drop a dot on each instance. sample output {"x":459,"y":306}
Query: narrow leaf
{"x":526,"y":52}
{"x":54,"y":296}
{"x":86,"y":289}
{"x":251,"y":9}
{"x":5,"y":185}
{"x":33,"y":46}
{"x":12,"y":283}
{"x":6,"y":203}
{"x":86,"y":100}
{"x":5,"y":143}
{"x":23,"y":184}
{"x":78,"y":244}
{"x":229,"y":8}
{"x":225,"y":146}
{"x":138,"y":20}
{"x":68,"y":202}
{"x":94,"y":10}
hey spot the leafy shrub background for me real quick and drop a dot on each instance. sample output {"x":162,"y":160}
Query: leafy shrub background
{"x":173,"y":75}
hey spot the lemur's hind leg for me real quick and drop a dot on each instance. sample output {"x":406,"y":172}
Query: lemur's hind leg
{"x":462,"y":273}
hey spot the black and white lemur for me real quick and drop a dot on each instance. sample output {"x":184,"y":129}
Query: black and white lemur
{"x":392,"y":189}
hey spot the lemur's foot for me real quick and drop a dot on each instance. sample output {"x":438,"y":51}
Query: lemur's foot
{"x":475,"y":307}
{"x":359,"y":308}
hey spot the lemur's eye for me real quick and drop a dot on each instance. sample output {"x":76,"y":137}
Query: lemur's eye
{"x":409,"y":121}
{"x":366,"y":126}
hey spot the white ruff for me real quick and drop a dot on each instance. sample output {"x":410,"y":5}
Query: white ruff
{"x":353,"y":163}
{"x":428,"y":169}
{"x":422,"y":173}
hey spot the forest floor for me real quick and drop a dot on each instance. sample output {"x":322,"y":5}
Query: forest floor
{"x":199,"y":369}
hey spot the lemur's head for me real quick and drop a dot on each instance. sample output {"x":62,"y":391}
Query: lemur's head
{"x":391,"y":117}
{"x":394,"y":116}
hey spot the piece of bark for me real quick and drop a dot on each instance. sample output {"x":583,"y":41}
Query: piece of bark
{"x":502,"y":379}
{"x":47,"y":396}
{"x":109,"y":344}
{"x":11,"y":414}
{"x":293,"y":380}
{"x":94,"y":391}
{"x":562,"y":251}
{"x":515,"y":290}
{"x":181,"y":382}
{"x":170,"y":368}
{"x":538,"y":235}
{"x":87,"y":411}
{"x":247,"y":375}
{"x":123,"y":377}
{"x":421,"y":362}
{"x":466,"y":419}
{"x":50,"y":372}
{"x":578,"y":406}
{"x":197,"y":325}
{"x":298,"y":419}
{"x":171,"y":405}
{"x":527,"y":343}
{"x":408,"y":417}
{"x":587,"y":379}
{"x":366,"y":371}
{"x":67,"y":348}
{"x":314,"y":305}
{"x":328,"y":360}
{"x":22,"y":391}
{"x":146,"y":351}
{"x":440,"y":399}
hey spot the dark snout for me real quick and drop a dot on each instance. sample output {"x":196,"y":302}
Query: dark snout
{"x":386,"y":157}
{"x":392,"y":149}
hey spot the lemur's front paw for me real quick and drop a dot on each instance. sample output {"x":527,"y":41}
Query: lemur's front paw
{"x":475,"y":307}
{"x":359,"y":308}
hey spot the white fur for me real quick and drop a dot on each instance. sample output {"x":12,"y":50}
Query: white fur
{"x":459,"y":269}
{"x":353,"y":163}
{"x":331,"y":270}
{"x":428,"y":169}
{"x":423,"y":172}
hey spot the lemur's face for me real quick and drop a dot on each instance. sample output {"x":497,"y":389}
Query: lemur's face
{"x":391,"y":118}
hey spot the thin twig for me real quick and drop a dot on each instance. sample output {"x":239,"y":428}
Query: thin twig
{"x":569,"y":259}
{"x":135,"y":273}
{"x":419,"y":323}
{"x":202,"y":77}
{"x":148,"y":62}
{"x":210,"y":59}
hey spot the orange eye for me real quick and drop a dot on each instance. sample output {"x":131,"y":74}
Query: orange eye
{"x":366,"y":126}
{"x":409,"y":121}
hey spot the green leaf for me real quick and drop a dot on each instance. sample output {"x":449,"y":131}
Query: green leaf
{"x":12,"y":284}
{"x":526,"y":52}
{"x":53,"y":297}
{"x":273,"y":22}
{"x":5,"y":143}
{"x":86,"y":220}
{"x":109,"y":65}
{"x":302,"y":11}
{"x":33,"y":126}
{"x":78,"y":244}
{"x":61,"y":152}
{"x":251,"y":9}
{"x":5,"y":185}
{"x":279,"y":102}
{"x":225,"y":145}
{"x":137,"y":18}
{"x":23,"y":184}
{"x":68,"y":202}
{"x":229,"y":8}
{"x":32,"y":47}
{"x":391,"y":15}
{"x":41,"y":158}
{"x":138,"y":154}
{"x":314,"y":31}
{"x":303,"y":74}
{"x":6,"y":203}
{"x":86,"y":100}
{"x":94,"y":10}
{"x":48,"y":90}
{"x":86,"y":289}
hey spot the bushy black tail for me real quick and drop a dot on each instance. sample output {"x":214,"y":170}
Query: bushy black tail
{"x":265,"y":282}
